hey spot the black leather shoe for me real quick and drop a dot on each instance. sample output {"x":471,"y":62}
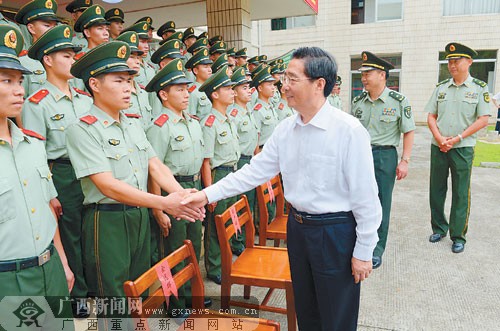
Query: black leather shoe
{"x":238,"y":251}
{"x":457,"y":247}
{"x":216,"y":279}
{"x":80,"y":309}
{"x":376,"y":261}
{"x":435,"y":237}
{"x":207,"y":302}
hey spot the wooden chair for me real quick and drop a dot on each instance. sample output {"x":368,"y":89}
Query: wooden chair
{"x":191,"y":271}
{"x":276,"y":229}
{"x":257,"y":266}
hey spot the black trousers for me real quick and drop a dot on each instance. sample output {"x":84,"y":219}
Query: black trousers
{"x":326,"y":297}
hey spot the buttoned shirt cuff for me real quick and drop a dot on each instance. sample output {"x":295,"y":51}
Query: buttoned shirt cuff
{"x":213,"y":193}
{"x":363,"y":252}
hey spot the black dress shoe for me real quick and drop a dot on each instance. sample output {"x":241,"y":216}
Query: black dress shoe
{"x":238,"y":251}
{"x":216,"y":279}
{"x":80,"y":309}
{"x":206,"y":301}
{"x":435,"y":237}
{"x":376,"y":261}
{"x":457,"y":247}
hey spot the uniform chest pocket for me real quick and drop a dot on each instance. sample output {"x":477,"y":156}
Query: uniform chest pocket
{"x":268,"y":120}
{"x":45,"y":180}
{"x":180,"y":143}
{"x":142,"y":149}
{"x":119,"y":161}
{"x":388,"y":119}
{"x":7,"y":202}
{"x":204,"y":102}
{"x":224,"y":136}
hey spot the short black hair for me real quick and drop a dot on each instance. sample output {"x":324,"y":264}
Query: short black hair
{"x":318,"y":63}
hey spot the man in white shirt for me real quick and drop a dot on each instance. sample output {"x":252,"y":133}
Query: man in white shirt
{"x":325,"y":159}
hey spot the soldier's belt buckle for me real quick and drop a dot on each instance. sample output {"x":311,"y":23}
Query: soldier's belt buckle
{"x":196,"y":177}
{"x":44,"y":258}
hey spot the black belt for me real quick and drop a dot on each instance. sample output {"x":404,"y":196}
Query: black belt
{"x":61,"y":161}
{"x":379,"y":147}
{"x":322,"y":219}
{"x":110,"y":206}
{"x":35,"y":261}
{"x":192,"y":178}
{"x":246,"y":157}
{"x":227,"y":167}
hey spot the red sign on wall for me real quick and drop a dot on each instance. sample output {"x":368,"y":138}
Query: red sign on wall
{"x":313,"y":4}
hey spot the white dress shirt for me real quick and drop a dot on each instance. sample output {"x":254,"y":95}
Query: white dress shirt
{"x":327,"y":167}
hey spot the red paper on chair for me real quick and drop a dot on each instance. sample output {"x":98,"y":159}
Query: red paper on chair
{"x":166,"y":279}
{"x":271,"y":191}
{"x":235,"y":219}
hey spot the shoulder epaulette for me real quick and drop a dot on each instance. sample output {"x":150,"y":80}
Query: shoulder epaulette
{"x":443,"y":81}
{"x":79,"y":55}
{"x":131,"y":115}
{"x":33,"y":134}
{"x":234,"y":112}
{"x":210,"y":121}
{"x":38,"y":96}
{"x":194,"y":117}
{"x":192,"y":88}
{"x":89,"y":119}
{"x":160,"y":121}
{"x":23,"y":52}
{"x":396,"y":95}
{"x":479,"y":82}
{"x":257,"y":106}
{"x":142,"y":86}
{"x":359,"y":97}
{"x":77,"y":90}
{"x":281,"y":106}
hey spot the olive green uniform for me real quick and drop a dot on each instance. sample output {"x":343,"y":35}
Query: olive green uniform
{"x":385,"y":119}
{"x":49,"y":112}
{"x":32,"y":83}
{"x":283,"y":110}
{"x":199,"y":104}
{"x":267,"y":119}
{"x":27,"y":228}
{"x":456,"y":107}
{"x":139,"y":104}
{"x":146,"y":73}
{"x":80,"y":41}
{"x":116,"y":237}
{"x":335,"y":101}
{"x":222,"y":148}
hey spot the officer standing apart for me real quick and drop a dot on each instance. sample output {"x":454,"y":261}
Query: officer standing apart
{"x":332,"y":226}
{"x":385,"y":114}
{"x":458,"y":108}
{"x":32,"y":259}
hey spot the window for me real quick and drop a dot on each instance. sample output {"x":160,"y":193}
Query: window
{"x":393,"y":81}
{"x":369,"y":11}
{"x":293,"y":22}
{"x":482,"y":68}
{"x":470,"y":7}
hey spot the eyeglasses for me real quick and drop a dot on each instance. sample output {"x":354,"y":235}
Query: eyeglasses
{"x":285,"y":79}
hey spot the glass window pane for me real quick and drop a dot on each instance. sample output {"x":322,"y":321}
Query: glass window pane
{"x":389,"y":10}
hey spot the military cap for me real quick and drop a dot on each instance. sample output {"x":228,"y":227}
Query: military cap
{"x":241,"y":53}
{"x":141,"y":28}
{"x":188,"y":33}
{"x":148,"y":20}
{"x":132,"y":39}
{"x":105,"y":58}
{"x":200,"y":57}
{"x":217,"y":80}
{"x":218,"y":47}
{"x":204,"y":34}
{"x":263,"y":75}
{"x":166,"y":27}
{"x":77,"y":5}
{"x":220,"y":62}
{"x":239,"y":76}
{"x":258,"y":68}
{"x":115,"y":14}
{"x":338,"y":82}
{"x":231,"y":52}
{"x":247,"y":71}
{"x":215,"y":39}
{"x":94,"y":15}
{"x":456,"y":50}
{"x":254,"y":60}
{"x":55,"y":39}
{"x":262,"y":58}
{"x":169,"y":49}
{"x":371,"y":62}
{"x":176,"y":35}
{"x":11,"y":44}
{"x":277,"y":69}
{"x":197,"y":45}
{"x":171,"y":74}
{"x":37,"y":10}
{"x":274,"y":62}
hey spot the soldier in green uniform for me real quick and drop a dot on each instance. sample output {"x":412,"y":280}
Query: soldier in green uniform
{"x":217,"y":50}
{"x":386,"y":115}
{"x":283,"y":109}
{"x":167,"y":52}
{"x":178,"y":141}
{"x":188,"y":38}
{"x":276,"y":71}
{"x":215,"y":39}
{"x":94,"y":27}
{"x":49,"y":111}
{"x":264,"y":113}
{"x":32,"y":259}
{"x":76,"y":8}
{"x":334,"y":97}
{"x":113,"y":159}
{"x":139,"y":100}
{"x":152,"y":43}
{"x":253,"y":62}
{"x":220,"y":62}
{"x":115,"y":18}
{"x":241,"y":57}
{"x":166,"y":30}
{"x":199,"y":104}
{"x":199,"y":44}
{"x":231,"y":59}
{"x":458,"y":108}
{"x":38,"y":16}
{"x":220,"y":157}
